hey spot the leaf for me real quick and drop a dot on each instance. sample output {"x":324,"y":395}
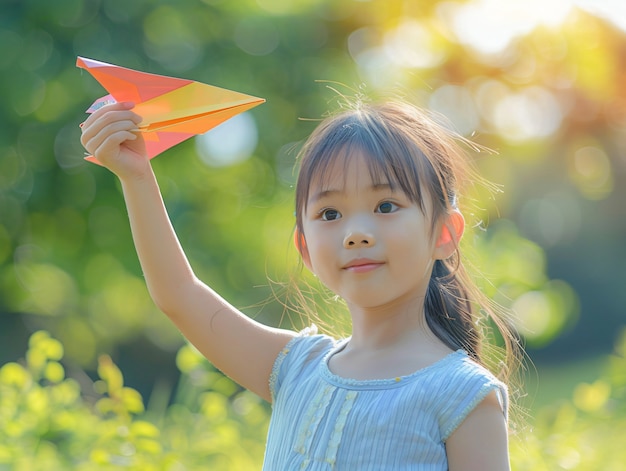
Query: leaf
{"x":54,"y":372}
{"x":110,"y":374}
{"x":141,"y":428}
{"x":13,"y":374}
{"x":132,"y":400}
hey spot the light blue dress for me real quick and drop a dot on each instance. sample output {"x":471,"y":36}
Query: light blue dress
{"x":321,"y":421}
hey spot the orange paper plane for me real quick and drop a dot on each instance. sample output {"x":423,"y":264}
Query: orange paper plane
{"x":172,"y":109}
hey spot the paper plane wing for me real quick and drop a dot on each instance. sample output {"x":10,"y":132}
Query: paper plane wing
{"x":172,"y":109}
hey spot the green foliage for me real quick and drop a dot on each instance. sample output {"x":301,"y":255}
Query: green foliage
{"x":52,"y":422}
{"x":585,"y":433}
{"x":551,"y":102}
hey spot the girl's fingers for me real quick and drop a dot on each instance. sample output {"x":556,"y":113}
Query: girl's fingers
{"x":108,"y":114}
{"x":124,"y":106}
{"x":93,"y":135}
{"x":111,"y":116}
{"x":111,"y":135}
{"x":107,"y":124}
{"x":109,"y":148}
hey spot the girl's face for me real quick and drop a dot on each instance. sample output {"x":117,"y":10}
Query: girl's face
{"x":366,"y":240}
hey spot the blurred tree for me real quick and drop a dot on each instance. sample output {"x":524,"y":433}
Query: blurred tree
{"x":543,"y":91}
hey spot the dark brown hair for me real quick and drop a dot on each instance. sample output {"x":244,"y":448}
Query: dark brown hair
{"x":408,"y":149}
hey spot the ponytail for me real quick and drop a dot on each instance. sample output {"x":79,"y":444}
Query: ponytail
{"x":448,"y":310}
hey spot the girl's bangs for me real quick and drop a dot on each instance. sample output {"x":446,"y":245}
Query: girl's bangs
{"x":388,"y":165}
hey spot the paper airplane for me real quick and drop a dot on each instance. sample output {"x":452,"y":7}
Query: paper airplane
{"x":172,"y":109}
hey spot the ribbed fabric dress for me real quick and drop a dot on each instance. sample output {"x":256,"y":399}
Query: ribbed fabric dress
{"x":323,"y":422}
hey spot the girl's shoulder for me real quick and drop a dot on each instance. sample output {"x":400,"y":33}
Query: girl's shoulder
{"x":465,"y":384}
{"x":465,"y":371}
{"x":301,"y":354}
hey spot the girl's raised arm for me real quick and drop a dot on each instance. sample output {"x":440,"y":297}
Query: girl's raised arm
{"x":240,"y":347}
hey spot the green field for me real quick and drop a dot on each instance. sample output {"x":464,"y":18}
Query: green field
{"x":51,"y":422}
{"x":548,"y":384}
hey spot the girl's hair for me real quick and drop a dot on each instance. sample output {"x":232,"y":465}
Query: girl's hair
{"x":407,"y":148}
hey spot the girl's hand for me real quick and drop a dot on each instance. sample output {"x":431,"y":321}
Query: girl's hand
{"x":112,"y":136}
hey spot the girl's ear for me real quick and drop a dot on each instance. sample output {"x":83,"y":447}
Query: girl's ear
{"x":450,"y":235}
{"x":300,"y":243}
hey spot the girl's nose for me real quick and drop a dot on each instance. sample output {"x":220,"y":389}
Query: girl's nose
{"x":358,"y":240}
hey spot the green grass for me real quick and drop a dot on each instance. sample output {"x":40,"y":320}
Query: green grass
{"x":548,"y":384}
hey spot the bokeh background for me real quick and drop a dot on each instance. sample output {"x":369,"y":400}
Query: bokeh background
{"x":92,"y":376}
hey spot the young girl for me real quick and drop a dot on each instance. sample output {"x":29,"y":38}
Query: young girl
{"x":377,"y":222}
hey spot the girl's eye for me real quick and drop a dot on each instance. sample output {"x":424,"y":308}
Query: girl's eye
{"x":330,"y":214}
{"x":387,"y":207}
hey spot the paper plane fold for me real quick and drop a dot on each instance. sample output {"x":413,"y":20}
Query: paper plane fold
{"x":172,"y":109}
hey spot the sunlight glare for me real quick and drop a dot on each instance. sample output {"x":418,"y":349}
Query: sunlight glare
{"x":229,"y":143}
{"x":529,"y":114}
{"x":412,"y":45}
{"x":611,"y":10}
{"x":489,"y":26}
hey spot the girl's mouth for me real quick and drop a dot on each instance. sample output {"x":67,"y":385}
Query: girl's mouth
{"x":362,"y":265}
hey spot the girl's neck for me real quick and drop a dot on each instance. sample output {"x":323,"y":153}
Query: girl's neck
{"x":383,"y":328}
{"x":386,"y":344}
